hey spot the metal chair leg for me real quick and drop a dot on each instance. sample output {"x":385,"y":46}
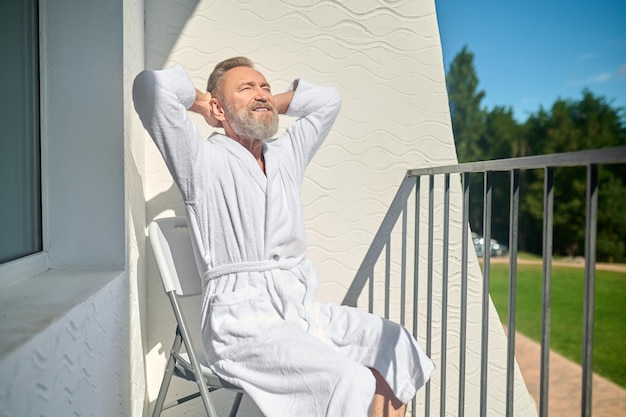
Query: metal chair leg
{"x":167,"y":377}
{"x":235,"y":408}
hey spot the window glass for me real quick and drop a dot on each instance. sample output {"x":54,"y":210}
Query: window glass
{"x":20,"y":164}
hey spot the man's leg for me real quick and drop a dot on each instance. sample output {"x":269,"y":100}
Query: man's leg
{"x":385,"y":403}
{"x":377,"y":344}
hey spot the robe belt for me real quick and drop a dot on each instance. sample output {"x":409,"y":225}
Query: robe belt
{"x":257,"y":266}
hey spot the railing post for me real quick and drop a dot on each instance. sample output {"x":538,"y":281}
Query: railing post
{"x":513,"y":238}
{"x":371,"y":283}
{"x":548,"y":211}
{"x":416,"y":262}
{"x":484,"y":360}
{"x":387,"y":275}
{"x":429,"y":295}
{"x":444,"y":294}
{"x":590,"y":282}
{"x":463,"y":313}
{"x":403,"y":267}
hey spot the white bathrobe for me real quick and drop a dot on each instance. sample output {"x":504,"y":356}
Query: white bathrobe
{"x":262,"y":328}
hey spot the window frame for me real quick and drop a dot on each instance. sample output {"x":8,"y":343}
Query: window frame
{"x":83,"y":204}
{"x":31,"y":264}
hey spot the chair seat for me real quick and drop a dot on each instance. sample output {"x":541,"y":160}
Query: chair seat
{"x":210,"y":377}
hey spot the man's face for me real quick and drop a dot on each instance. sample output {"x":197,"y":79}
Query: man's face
{"x":248,"y":104}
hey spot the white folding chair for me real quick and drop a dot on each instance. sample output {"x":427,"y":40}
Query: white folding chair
{"x":171,"y":243}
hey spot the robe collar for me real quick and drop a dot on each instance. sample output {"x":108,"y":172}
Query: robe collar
{"x":246,"y":158}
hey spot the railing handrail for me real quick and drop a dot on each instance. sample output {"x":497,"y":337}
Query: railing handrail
{"x":612,"y":155}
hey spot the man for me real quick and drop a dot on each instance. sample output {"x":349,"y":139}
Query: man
{"x":262,"y":328}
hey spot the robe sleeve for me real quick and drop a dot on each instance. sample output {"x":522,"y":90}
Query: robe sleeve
{"x":161,"y":99}
{"x":317,"y":108}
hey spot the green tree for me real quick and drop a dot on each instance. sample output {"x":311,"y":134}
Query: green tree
{"x":612,"y":220}
{"x":500,"y":140}
{"x":465,"y":111}
{"x":468,"y":123}
{"x":501,"y":136}
{"x":570,"y":125}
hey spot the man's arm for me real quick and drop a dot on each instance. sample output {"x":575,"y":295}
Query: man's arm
{"x":161,"y":99}
{"x":316,"y":108}
{"x":283,"y":100}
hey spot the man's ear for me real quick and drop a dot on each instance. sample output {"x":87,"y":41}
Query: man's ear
{"x":217,"y":109}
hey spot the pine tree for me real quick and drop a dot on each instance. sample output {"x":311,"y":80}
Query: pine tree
{"x":467,"y":116}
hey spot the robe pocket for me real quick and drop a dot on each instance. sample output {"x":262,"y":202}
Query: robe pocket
{"x":239,"y":319}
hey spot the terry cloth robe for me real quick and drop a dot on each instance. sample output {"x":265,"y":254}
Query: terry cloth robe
{"x":262,"y":328}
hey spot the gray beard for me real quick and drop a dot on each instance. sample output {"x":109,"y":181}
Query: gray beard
{"x":245,"y":125}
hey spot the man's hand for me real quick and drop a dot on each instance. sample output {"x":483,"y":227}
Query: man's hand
{"x":282,"y":101}
{"x":202,"y":107}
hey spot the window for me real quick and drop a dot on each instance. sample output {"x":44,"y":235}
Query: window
{"x":20,"y":162}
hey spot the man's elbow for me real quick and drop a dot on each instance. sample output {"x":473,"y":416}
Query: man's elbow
{"x":143,"y":91}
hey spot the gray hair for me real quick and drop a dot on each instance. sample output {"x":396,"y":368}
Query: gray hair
{"x":214,"y":85}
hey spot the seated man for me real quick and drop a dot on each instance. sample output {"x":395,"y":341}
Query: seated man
{"x":262,"y":328}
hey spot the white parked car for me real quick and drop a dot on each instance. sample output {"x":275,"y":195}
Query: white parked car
{"x":496,"y":248}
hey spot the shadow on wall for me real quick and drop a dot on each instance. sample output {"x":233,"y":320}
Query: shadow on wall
{"x":165,"y":20}
{"x":366,"y":270}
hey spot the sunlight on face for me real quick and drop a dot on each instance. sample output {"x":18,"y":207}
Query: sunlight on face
{"x":249,"y":105}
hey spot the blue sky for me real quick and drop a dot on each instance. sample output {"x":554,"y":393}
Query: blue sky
{"x":528,"y":54}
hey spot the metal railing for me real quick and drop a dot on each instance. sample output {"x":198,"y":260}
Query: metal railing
{"x":399,"y":211}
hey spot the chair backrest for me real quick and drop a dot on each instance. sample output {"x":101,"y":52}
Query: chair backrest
{"x":174,"y":253}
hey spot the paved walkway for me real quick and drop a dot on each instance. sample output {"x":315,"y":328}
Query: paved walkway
{"x":565,"y":389}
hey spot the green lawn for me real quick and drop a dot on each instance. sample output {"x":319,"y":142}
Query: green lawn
{"x":567,"y":312}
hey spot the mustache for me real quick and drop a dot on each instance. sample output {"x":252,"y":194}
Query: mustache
{"x":259,"y":103}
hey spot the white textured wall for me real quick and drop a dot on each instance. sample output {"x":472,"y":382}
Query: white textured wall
{"x":385,"y":58}
{"x":76,"y":365}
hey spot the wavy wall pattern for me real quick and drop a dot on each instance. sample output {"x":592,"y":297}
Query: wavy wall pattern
{"x":385,"y":58}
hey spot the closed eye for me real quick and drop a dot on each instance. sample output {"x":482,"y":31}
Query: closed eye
{"x":250,"y":85}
